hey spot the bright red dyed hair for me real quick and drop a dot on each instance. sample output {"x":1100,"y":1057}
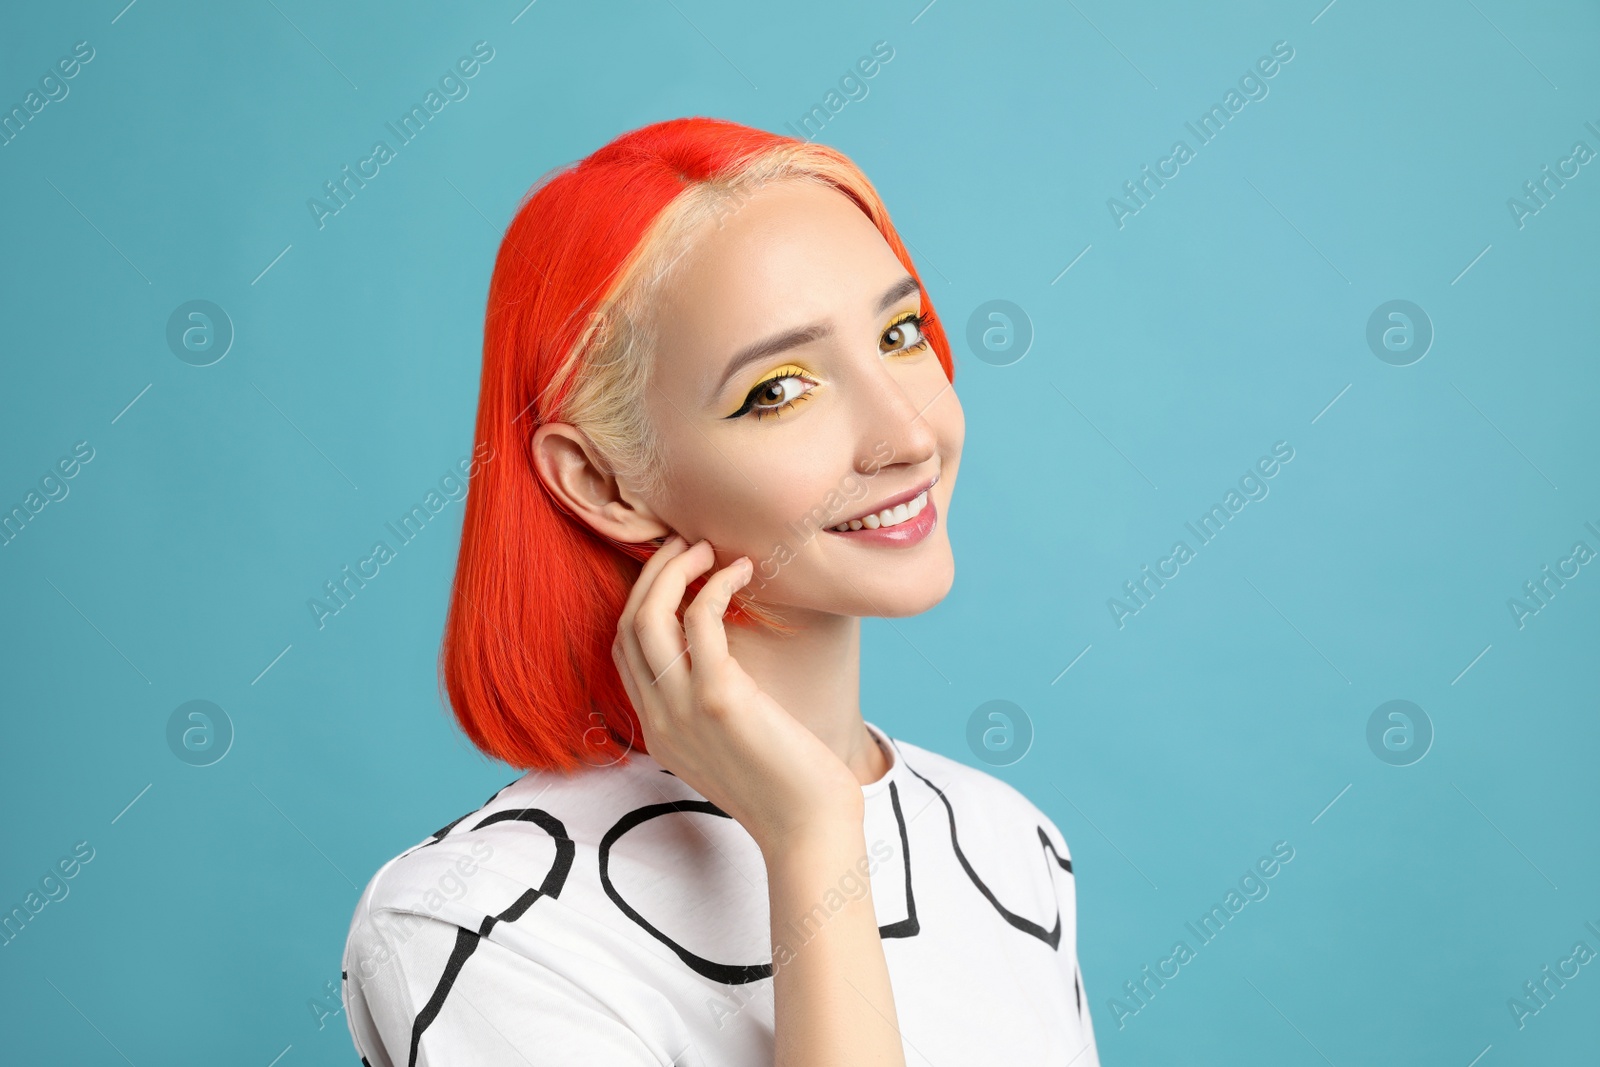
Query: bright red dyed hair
{"x":526,"y":656}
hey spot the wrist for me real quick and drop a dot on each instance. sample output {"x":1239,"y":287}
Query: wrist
{"x":820,"y":838}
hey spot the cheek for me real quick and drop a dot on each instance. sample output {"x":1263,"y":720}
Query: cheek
{"x":951,"y":426}
{"x":950,"y":423}
{"x":798,"y":495}
{"x":754,"y":495}
{"x":958,"y":424}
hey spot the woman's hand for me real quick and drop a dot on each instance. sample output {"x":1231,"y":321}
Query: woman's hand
{"x":708,"y":722}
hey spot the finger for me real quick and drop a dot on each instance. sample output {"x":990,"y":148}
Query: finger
{"x":702,"y":621}
{"x":656,"y":622}
{"x":646,"y":699}
{"x":675,"y":546}
{"x":629,"y":657}
{"x":628,"y":671}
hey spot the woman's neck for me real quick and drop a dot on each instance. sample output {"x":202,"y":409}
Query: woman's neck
{"x":816,"y":676}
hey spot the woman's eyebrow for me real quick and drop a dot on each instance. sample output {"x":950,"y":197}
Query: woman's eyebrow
{"x":803,"y":335}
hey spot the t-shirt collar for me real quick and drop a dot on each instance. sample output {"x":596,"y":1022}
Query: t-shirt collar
{"x":872,"y":789}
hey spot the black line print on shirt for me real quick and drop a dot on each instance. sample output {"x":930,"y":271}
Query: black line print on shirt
{"x":907,"y":927}
{"x":726,"y":973}
{"x":467,"y":940}
{"x":1027,"y":926}
{"x":731,"y":973}
{"x":439,"y":835}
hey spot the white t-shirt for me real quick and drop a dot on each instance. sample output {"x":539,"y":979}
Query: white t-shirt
{"x":617,"y":917}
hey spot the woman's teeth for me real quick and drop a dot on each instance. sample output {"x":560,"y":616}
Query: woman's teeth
{"x":888,"y":517}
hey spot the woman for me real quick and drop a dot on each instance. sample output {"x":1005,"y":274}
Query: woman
{"x":711,"y":374}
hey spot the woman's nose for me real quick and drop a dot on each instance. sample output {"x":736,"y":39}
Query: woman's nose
{"x":896,"y":416}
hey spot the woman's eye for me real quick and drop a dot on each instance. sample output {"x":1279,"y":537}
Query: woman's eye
{"x":905,"y":334}
{"x":778,"y":391}
{"x":776,"y":394}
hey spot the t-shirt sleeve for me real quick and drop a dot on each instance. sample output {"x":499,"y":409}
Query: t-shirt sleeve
{"x":1067,"y":900}
{"x":423,"y":992}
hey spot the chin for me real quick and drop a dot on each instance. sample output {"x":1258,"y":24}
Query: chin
{"x":893,"y":590}
{"x":912,"y":594}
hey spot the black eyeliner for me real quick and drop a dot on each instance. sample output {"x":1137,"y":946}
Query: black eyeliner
{"x":911,"y":316}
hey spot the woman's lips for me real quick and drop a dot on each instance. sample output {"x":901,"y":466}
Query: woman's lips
{"x":902,"y":535}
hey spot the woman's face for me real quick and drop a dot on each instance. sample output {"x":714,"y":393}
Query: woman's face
{"x":793,"y":391}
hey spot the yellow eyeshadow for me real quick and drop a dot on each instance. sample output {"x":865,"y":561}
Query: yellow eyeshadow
{"x":788,"y":370}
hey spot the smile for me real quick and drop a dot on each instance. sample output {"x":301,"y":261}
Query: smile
{"x":888,"y":517}
{"x":900,"y":526}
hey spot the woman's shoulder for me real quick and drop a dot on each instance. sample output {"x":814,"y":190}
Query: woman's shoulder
{"x":515,"y":842}
{"x":494,"y":928}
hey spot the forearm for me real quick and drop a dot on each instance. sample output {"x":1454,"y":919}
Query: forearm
{"x":834,"y":1003}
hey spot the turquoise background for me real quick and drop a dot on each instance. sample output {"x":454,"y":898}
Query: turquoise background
{"x":1228,"y":314}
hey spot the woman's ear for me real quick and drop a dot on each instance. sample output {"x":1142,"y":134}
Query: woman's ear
{"x":582,"y":483}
